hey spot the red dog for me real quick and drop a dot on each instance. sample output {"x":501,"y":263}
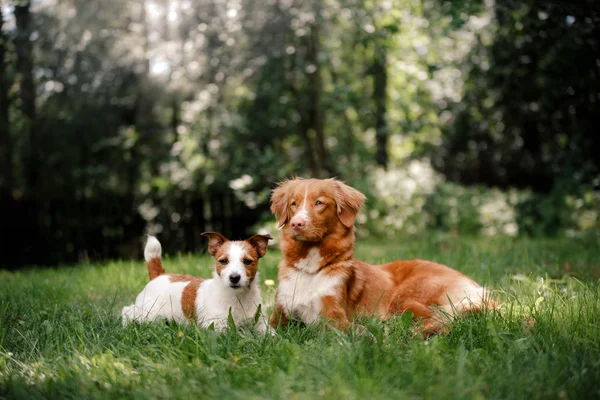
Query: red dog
{"x":319,"y":277}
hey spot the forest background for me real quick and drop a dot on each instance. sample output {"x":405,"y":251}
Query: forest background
{"x":173,"y":117}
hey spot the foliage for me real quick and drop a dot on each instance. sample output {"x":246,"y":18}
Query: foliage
{"x":415,"y":199}
{"x":567,"y":209}
{"x":177,"y":116}
{"x":528,"y":115}
{"x":61,"y":334}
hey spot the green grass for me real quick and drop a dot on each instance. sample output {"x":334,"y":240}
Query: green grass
{"x":61,"y":334}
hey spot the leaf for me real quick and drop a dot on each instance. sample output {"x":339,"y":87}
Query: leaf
{"x":230,"y":322}
{"x":257,"y":314}
{"x":406,"y":320}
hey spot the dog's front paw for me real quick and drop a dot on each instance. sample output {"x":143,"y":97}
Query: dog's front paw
{"x":263,"y":327}
{"x":270,"y":330}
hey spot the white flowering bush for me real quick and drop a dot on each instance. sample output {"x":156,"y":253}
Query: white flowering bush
{"x":414,"y":198}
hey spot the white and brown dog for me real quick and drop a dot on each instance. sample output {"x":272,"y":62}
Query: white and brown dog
{"x":319,"y":276}
{"x":182,"y":298}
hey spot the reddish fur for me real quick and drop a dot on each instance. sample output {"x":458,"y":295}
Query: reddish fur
{"x":279,"y":317}
{"x":378,"y":290}
{"x":188,"y":296}
{"x":155,"y":267}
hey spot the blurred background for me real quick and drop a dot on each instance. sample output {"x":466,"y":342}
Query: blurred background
{"x":173,"y":117}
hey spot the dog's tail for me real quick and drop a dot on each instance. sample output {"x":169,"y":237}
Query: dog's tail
{"x":152,"y":253}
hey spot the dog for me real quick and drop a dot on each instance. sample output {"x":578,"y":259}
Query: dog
{"x":319,"y":277}
{"x":233,"y":290}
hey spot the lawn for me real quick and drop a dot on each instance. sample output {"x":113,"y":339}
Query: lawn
{"x":61,"y":334}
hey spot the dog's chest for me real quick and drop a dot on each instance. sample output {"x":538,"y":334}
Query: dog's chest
{"x":311,"y":262}
{"x":214,"y":303}
{"x":301,"y":293}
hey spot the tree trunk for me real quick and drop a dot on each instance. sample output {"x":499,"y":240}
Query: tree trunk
{"x":24,"y":51}
{"x":314,"y":166}
{"x":175,"y":119}
{"x":171,"y":33}
{"x":379,"y":98}
{"x":145,"y":115}
{"x":315,"y":113}
{"x":6,"y":149}
{"x":313,"y":161}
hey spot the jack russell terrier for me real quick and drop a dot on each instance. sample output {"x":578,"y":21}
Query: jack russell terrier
{"x":182,"y":298}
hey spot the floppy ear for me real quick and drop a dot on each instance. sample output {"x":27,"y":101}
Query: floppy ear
{"x":260,"y":243}
{"x":279,"y":202}
{"x":349,"y":201}
{"x":215,"y":241}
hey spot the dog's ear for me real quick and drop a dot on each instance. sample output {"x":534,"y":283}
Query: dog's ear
{"x":215,"y":241}
{"x":279,"y":202}
{"x":260,"y":243}
{"x":349,"y":201}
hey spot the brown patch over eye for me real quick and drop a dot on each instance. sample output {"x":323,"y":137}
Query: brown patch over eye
{"x":249,"y":259}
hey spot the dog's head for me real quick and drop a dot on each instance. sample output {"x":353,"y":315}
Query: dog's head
{"x":309,"y":209}
{"x":236,"y":262}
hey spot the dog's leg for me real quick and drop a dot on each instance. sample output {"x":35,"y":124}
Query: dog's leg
{"x":419,"y":310}
{"x":279,"y":317}
{"x":263,"y":327}
{"x":335,"y":313}
{"x":432,"y":322}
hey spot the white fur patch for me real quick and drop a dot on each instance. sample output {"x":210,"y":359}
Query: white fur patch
{"x":235,"y":252}
{"x":160,"y":298}
{"x":464,"y":296}
{"x":152,"y":249}
{"x":311,"y":263}
{"x":302,"y":213}
{"x":215,"y":299}
{"x":300,"y":294}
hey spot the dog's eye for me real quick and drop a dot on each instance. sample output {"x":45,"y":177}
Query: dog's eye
{"x":293,"y":203}
{"x":224,"y":261}
{"x":318,"y":203}
{"x":247,"y":261}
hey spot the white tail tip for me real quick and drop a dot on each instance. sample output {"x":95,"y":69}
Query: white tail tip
{"x":152,"y":249}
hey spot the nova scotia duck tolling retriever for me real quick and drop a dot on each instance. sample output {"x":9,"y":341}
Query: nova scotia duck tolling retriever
{"x":319,"y":277}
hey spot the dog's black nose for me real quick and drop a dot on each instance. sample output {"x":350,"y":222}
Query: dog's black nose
{"x":234,"y":278}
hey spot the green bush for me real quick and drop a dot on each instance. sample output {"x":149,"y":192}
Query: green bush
{"x":414,"y":198}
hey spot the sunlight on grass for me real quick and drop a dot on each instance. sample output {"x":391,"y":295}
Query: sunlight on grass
{"x":61,"y":334}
